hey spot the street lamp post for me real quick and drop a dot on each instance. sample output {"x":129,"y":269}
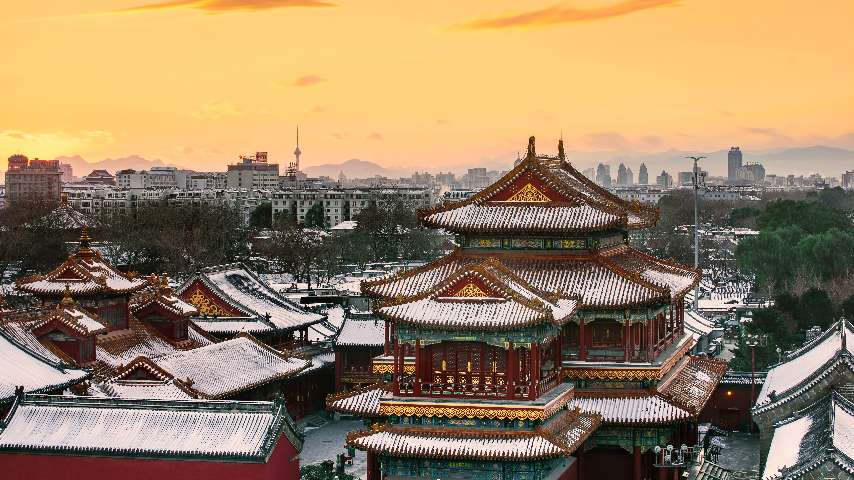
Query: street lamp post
{"x":696,"y":180}
{"x":752,"y":341}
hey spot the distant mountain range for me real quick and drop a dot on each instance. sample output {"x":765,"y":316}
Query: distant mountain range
{"x":354,"y":168}
{"x":827,"y":161}
{"x":81,"y":167}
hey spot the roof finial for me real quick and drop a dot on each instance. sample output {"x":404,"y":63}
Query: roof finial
{"x":532,"y":149}
{"x":560,"y":152}
{"x":67,"y":301}
{"x":85,"y":240}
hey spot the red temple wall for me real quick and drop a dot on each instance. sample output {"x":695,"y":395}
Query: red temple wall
{"x":282,"y":465}
{"x":729,"y":407}
{"x":612,"y":463}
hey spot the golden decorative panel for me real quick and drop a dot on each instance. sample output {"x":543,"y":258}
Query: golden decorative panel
{"x":613,"y":375}
{"x":529,"y":194}
{"x":406,"y":410}
{"x":470,"y":290}
{"x":207,"y":306}
{"x":383,"y":368}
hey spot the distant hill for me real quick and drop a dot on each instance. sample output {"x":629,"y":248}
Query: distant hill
{"x":353,"y":168}
{"x":82,"y":167}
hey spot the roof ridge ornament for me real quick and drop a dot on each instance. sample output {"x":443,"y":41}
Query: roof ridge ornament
{"x":67,"y":300}
{"x":561,"y":154}
{"x":532,"y":148}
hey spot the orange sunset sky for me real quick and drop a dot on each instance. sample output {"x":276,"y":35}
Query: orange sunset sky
{"x":436,"y":84}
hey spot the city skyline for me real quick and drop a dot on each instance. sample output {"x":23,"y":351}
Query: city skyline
{"x":460,"y":84}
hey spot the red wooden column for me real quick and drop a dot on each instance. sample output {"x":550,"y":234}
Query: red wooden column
{"x":558,"y":347}
{"x":339,"y":369}
{"x":636,"y":467}
{"x":419,"y":361}
{"x":627,"y":340}
{"x":397,"y":368}
{"x":387,"y":344}
{"x":373,"y":467}
{"x":534,"y":374}
{"x":582,"y":341}
{"x":512,"y":367}
{"x":649,"y":328}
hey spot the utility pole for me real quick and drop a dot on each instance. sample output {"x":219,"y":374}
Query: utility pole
{"x":696,"y":180}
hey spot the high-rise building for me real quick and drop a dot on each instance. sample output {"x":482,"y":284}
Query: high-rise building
{"x":67,"y":172}
{"x":643,"y":175}
{"x":33,"y":180}
{"x":685,"y":178}
{"x":254,"y":173}
{"x":624,"y":176}
{"x":750,"y":173}
{"x":665,"y":180}
{"x":733,"y":163}
{"x":603,"y":175}
{"x":848,"y":179}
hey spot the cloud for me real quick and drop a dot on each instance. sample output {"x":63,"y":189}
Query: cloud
{"x":218,"y":6}
{"x":560,"y":13}
{"x":215,"y":110}
{"x":51,"y":143}
{"x":375,"y":136}
{"x":308,"y":80}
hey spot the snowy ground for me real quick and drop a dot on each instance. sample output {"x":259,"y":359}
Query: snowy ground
{"x":326,"y":442}
{"x":741,"y":455}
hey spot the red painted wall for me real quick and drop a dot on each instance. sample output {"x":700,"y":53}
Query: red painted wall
{"x":282,"y":465}
{"x":601,"y":463}
{"x":570,"y":473}
{"x":730,"y":411}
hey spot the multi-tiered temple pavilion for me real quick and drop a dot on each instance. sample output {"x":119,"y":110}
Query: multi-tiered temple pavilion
{"x":544,"y":346}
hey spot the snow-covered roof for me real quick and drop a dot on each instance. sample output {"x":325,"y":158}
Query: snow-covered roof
{"x":364,"y":402}
{"x":84,"y":273}
{"x":611,"y":278}
{"x":67,"y":313}
{"x":697,"y":324}
{"x":162,"y":296}
{"x":430,"y":445}
{"x":486,"y":295}
{"x":206,"y":430}
{"x":22,"y":367}
{"x":141,"y":389}
{"x":248,"y":296}
{"x":358,"y":332}
{"x":540,"y":194}
{"x":690,"y":383}
{"x":822,"y":433}
{"x":559,"y":436}
{"x":223,"y":369}
{"x":617,"y":407}
{"x":120,"y":347}
{"x":805,"y":366}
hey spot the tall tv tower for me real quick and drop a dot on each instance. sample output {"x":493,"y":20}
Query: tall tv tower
{"x":297,"y":152}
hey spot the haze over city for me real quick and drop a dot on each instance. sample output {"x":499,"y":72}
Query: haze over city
{"x":441,"y":85}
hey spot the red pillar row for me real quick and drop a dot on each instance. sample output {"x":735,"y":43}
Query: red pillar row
{"x":582,"y":341}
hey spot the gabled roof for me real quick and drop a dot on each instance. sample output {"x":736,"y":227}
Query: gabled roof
{"x":481,"y":296}
{"x":221,"y":369}
{"x":691,"y":383}
{"x":69,"y":315}
{"x":807,"y":365}
{"x":198,"y":430}
{"x":621,"y":407}
{"x":22,"y":367}
{"x":540,"y":195}
{"x":85,"y":273}
{"x":812,"y":437}
{"x":250,"y":302}
{"x":161,"y":296}
{"x":169,"y":389}
{"x":615,"y":278}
